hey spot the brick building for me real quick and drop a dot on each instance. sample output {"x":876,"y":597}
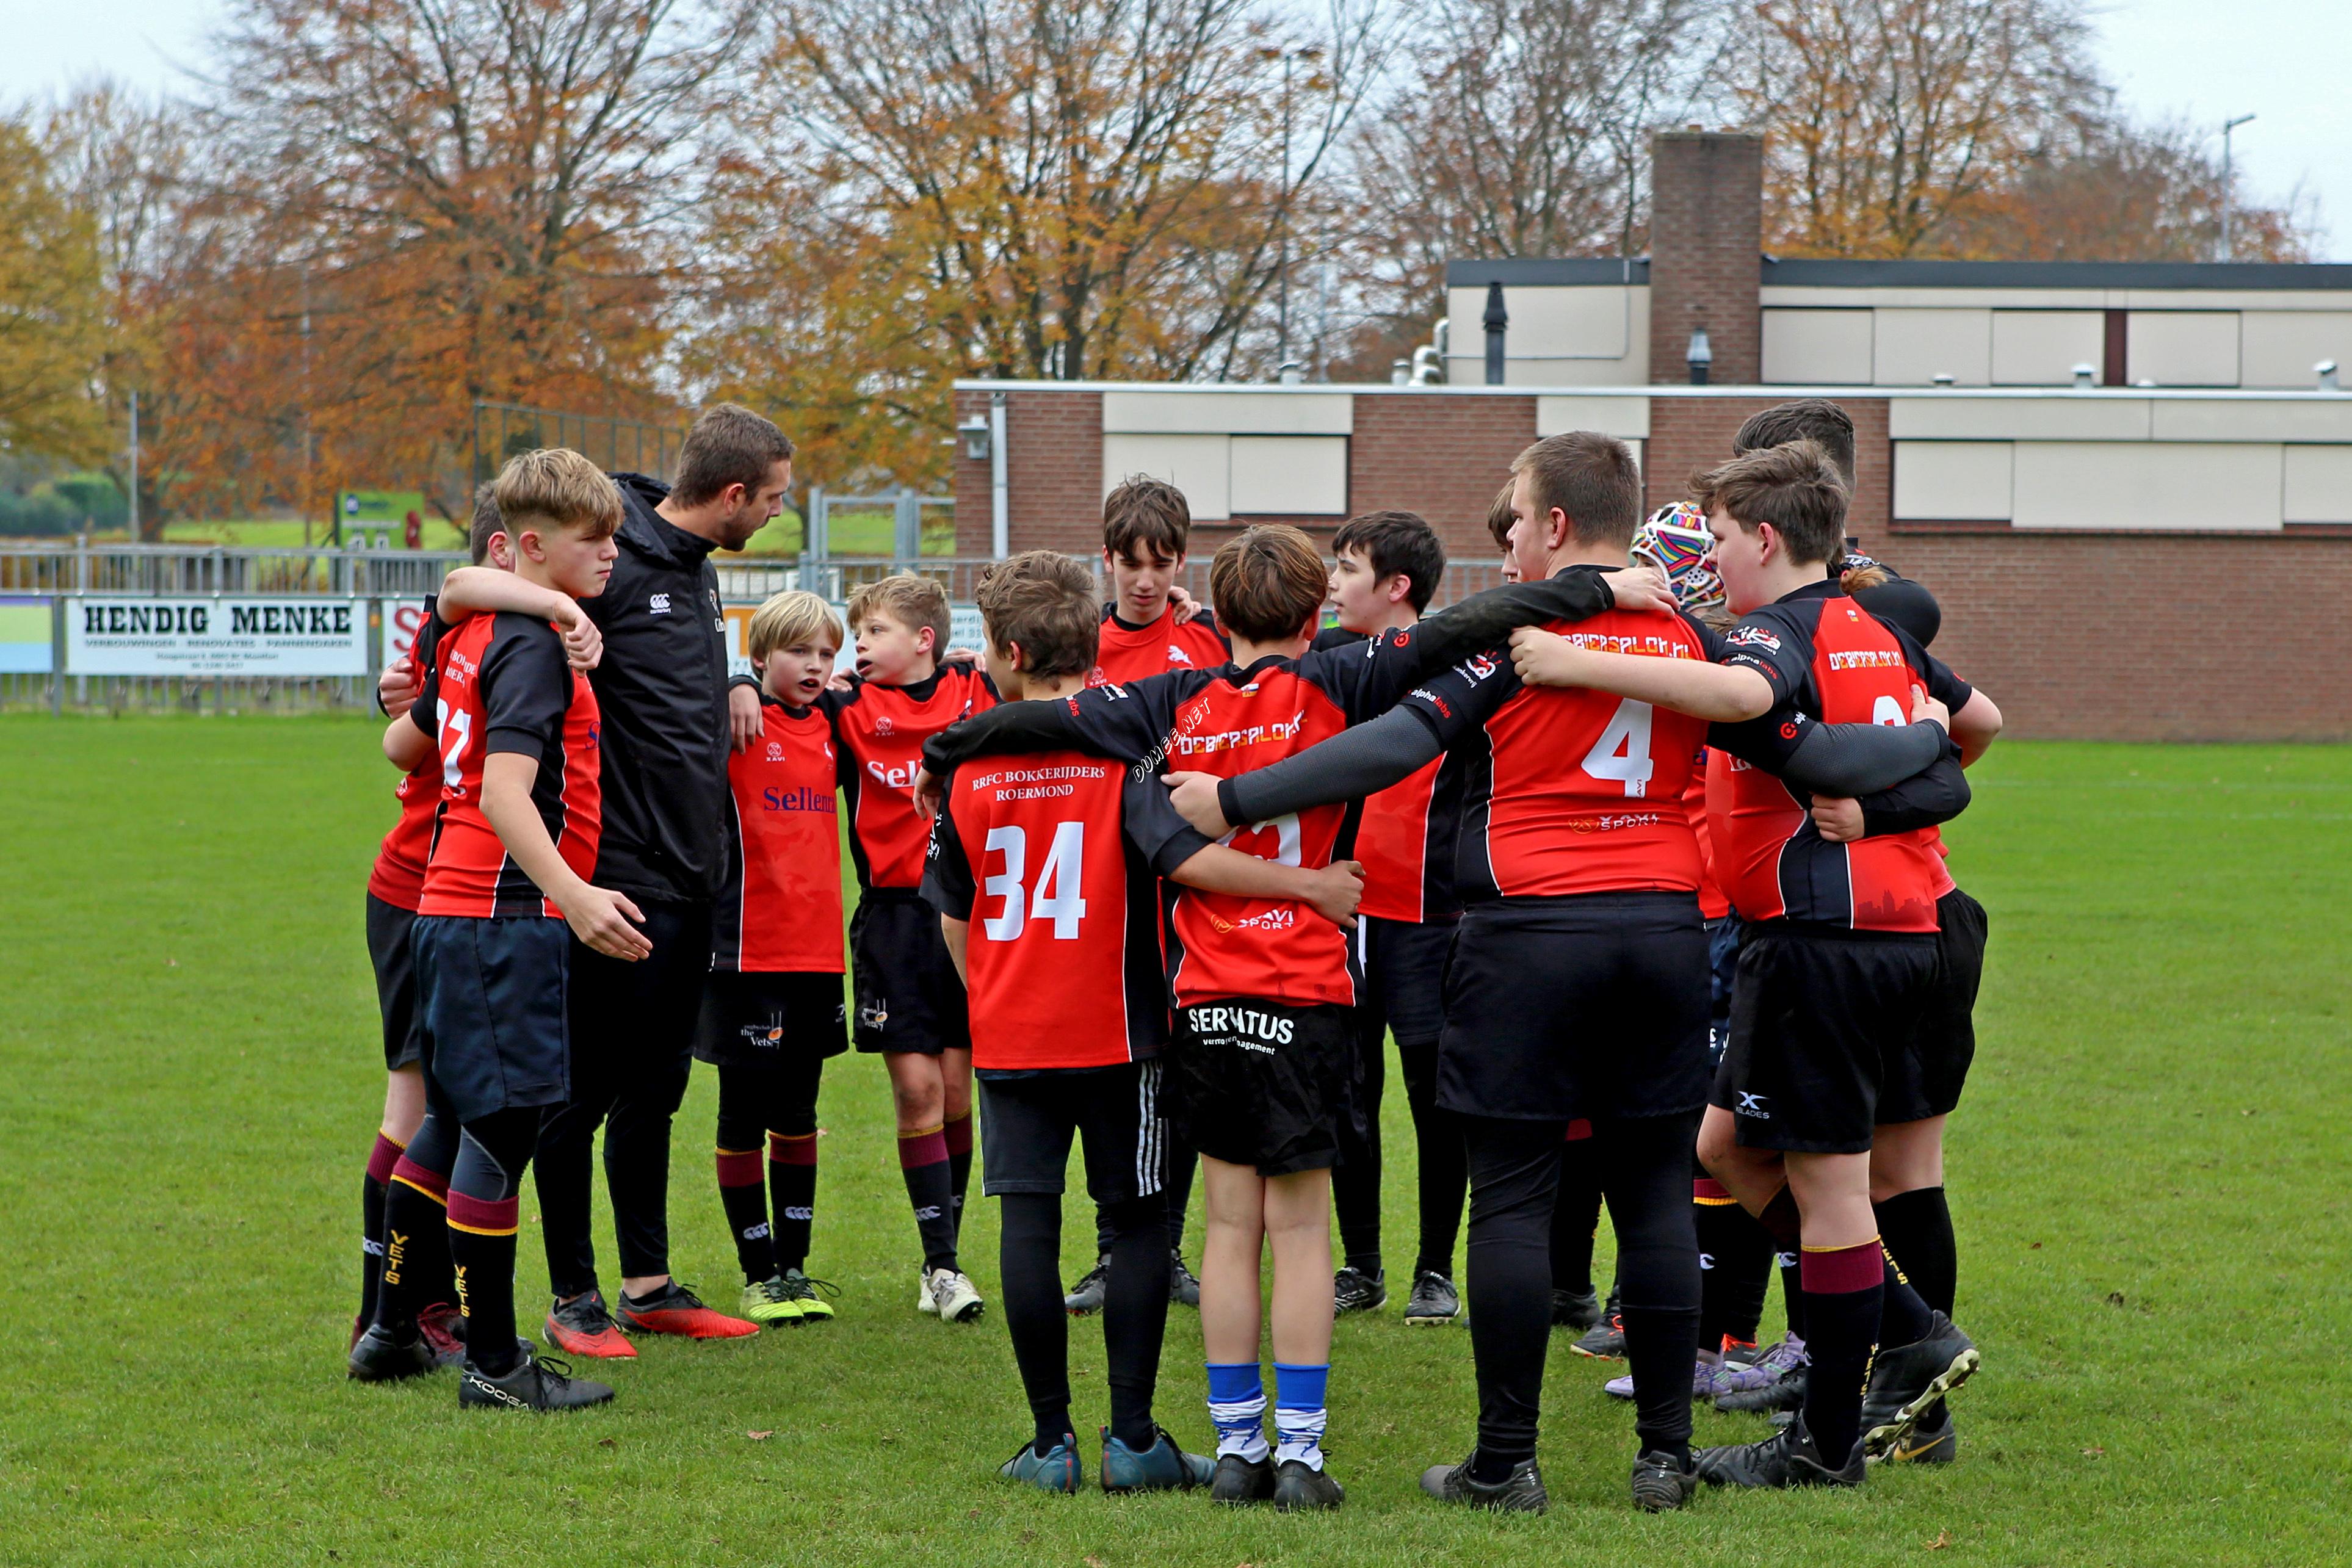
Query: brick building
{"x":2080,"y":458}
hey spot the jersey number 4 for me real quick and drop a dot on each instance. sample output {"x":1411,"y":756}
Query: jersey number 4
{"x":1059,"y":896}
{"x":1623,"y":752}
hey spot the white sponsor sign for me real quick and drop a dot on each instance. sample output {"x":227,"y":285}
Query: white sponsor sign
{"x":295,"y":636}
{"x":403,"y":619}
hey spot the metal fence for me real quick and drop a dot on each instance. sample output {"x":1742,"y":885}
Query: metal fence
{"x":39,"y":572}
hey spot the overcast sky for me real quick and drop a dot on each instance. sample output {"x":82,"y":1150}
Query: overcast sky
{"x":2281,"y":60}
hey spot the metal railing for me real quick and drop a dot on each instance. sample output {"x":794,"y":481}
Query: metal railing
{"x":64,"y":569}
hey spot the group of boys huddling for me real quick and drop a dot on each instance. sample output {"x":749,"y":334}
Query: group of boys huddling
{"x":1645,"y":885}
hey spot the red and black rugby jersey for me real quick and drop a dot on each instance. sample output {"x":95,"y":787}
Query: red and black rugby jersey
{"x":1053,"y":858}
{"x":398,"y":875}
{"x":1712,"y":903}
{"x":1568,"y":791}
{"x":879,"y":732}
{"x":504,"y":686}
{"x":1225,"y":722}
{"x":779,"y":908}
{"x":1406,"y":838}
{"x":1128,"y":654}
{"x":1829,"y":660}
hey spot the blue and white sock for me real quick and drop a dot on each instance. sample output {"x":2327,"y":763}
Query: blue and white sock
{"x":1237,"y":1407}
{"x":1298,"y":1413}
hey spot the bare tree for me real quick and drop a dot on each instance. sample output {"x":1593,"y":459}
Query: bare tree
{"x":1885,"y":119}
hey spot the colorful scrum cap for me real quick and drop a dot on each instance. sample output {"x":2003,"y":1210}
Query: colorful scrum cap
{"x":1676,"y":541}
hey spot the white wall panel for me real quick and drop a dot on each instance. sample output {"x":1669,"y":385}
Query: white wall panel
{"x":2060,"y":417}
{"x":2042,"y":348}
{"x":1627,"y":418}
{"x":2318,"y":488}
{"x":1817,"y":347}
{"x":2147,"y":485}
{"x":2278,"y":347}
{"x":1912,"y":347}
{"x":1222,"y":413}
{"x":1953,"y":481}
{"x":2182,"y":348}
{"x":1289,"y":476}
{"x":1199,"y":465}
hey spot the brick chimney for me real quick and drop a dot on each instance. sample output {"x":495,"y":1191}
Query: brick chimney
{"x":1707,"y":216}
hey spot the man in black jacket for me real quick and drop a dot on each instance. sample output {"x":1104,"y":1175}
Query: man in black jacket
{"x":662,"y":687}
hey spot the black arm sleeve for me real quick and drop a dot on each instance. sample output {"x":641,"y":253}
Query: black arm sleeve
{"x":1922,"y":801}
{"x":1861,"y":758}
{"x":1484,"y":619}
{"x":1012,"y":728}
{"x":947,"y":885}
{"x":1349,"y":766}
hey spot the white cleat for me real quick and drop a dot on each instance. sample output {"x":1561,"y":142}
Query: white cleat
{"x":925,"y":1302}
{"x":953,"y":1297}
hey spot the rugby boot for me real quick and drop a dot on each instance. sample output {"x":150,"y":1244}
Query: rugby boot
{"x":381,"y":1358}
{"x":1521,"y":1491}
{"x":1605,"y":1340}
{"x":768,"y":1303}
{"x":1905,"y":1380}
{"x":954,"y":1298}
{"x":1785,"y":1458}
{"x":1057,"y":1469}
{"x":810,"y":1295}
{"x":534,"y":1383}
{"x":1353,"y":1291}
{"x":1086,"y":1297}
{"x":1775,"y":1381}
{"x":1183,"y":1288}
{"x":444,"y":1328}
{"x":1240,"y":1480}
{"x":1163,"y":1466}
{"x":1932,"y":1439}
{"x":1662,"y":1482}
{"x":581,"y":1326}
{"x":675,"y":1309}
{"x":1298,"y":1486}
{"x":1577,"y":1309}
{"x":1435,"y":1301}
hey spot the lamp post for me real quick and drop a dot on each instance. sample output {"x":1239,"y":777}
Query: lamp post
{"x":2229,"y":185}
{"x":1282,"y":259}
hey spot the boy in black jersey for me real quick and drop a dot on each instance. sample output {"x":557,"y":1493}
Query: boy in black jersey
{"x":1387,"y":566}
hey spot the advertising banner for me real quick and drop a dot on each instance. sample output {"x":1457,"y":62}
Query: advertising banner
{"x":299,"y":635}
{"x":25,"y":634}
{"x":401,"y":620}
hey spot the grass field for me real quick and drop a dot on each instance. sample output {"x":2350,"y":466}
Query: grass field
{"x":2149,"y":1181}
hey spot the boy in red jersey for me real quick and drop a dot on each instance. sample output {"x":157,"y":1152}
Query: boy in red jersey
{"x":1147,"y":523}
{"x":1058,"y":856}
{"x":910,"y":999}
{"x":1838,"y":959}
{"x":1387,"y":566}
{"x":1576,"y":991}
{"x":395,"y":887}
{"x":1262,"y":1062}
{"x":773,"y":1011}
{"x":516,"y":734}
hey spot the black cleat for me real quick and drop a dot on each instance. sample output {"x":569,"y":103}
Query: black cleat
{"x":1353,"y":1291}
{"x":1183,"y":1288}
{"x":1777,"y":1397}
{"x":1604,"y":1340}
{"x":1086,"y":1297}
{"x":1577,"y":1309}
{"x":1435,"y":1301}
{"x":534,"y":1383}
{"x":1521,"y":1491}
{"x":1906,"y":1380}
{"x":1785,"y":1458}
{"x":1932,"y":1441}
{"x":1240,"y":1480}
{"x":1297,"y":1487}
{"x":378,"y":1357}
{"x":1662,"y":1482}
